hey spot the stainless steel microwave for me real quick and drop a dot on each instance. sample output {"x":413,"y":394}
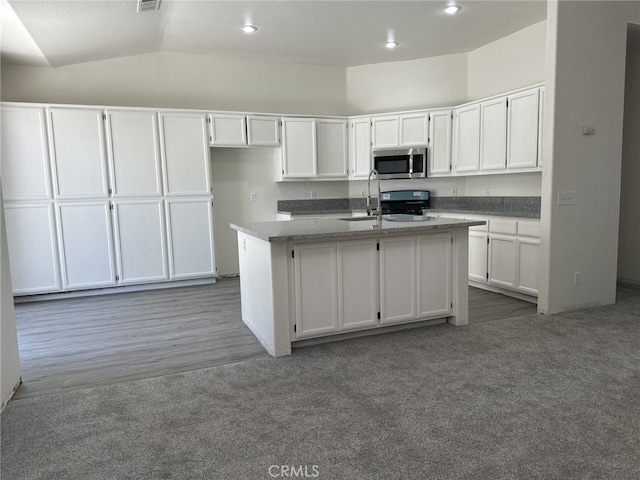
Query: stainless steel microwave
{"x":401,"y":163}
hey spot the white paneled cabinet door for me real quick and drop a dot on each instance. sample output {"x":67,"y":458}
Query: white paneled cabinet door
{"x":31,"y":238}
{"x":523,"y":123}
{"x":385,"y":131}
{"x":360,"y":149}
{"x":299,"y":147}
{"x":440,"y":143}
{"x":358,"y":283}
{"x":190,"y":234}
{"x":315,"y":289}
{"x":434,"y":276}
{"x":398,"y":300}
{"x":230,"y":130}
{"x":528,"y":254}
{"x":140,"y":240}
{"x":478,"y":249}
{"x":134,"y":155}
{"x":466,"y":149}
{"x":24,"y":158}
{"x":414,"y":129}
{"x":263,"y":131}
{"x":78,"y":153}
{"x":331,"y":143}
{"x":85,"y":239}
{"x":540,"y":126}
{"x":493,"y":134}
{"x":184,"y":145}
{"x":502,"y":261}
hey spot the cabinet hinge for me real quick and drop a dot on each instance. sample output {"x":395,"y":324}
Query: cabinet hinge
{"x":451,"y":304}
{"x":294,"y":327}
{"x":451,"y":115}
{"x":208,"y":120}
{"x":280,"y":122}
{"x":111,"y":206}
{"x":378,"y":246}
{"x":428,"y":141}
{"x":487,"y":275}
{"x":210,"y":139}
{"x":110,"y":192}
{"x":117,"y":278}
{"x":507,"y":103}
{"x":378,"y":315}
{"x":452,"y":240}
{"x":450,"y":167}
{"x":293,"y":254}
{"x":487,"y":240}
{"x":104,"y":116}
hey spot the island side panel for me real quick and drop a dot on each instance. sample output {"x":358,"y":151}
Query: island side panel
{"x":264,"y":292}
{"x":460,"y":277}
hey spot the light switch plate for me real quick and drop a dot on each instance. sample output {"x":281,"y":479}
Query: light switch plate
{"x":566,"y":198}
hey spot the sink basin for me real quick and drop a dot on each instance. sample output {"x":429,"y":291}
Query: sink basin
{"x":359,"y":219}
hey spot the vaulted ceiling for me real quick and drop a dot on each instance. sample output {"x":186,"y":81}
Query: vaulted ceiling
{"x":340,"y":33}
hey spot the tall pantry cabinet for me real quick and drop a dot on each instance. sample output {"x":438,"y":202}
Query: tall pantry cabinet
{"x":90,"y":202}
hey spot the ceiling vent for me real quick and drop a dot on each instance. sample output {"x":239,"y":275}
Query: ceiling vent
{"x":147,"y":5}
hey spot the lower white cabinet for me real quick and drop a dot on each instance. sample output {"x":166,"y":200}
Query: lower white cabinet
{"x":190,"y":235}
{"x":502,"y":260}
{"x":357,"y":284}
{"x":33,"y":255}
{"x":434,"y":275}
{"x":478,"y":254}
{"x":528,"y":254}
{"x":140,"y":240}
{"x":86,"y":248}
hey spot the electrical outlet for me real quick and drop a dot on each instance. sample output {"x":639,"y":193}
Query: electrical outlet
{"x":454,"y":192}
{"x":577,"y":278}
{"x":313,"y":194}
{"x":253,"y":196}
{"x":566,"y":198}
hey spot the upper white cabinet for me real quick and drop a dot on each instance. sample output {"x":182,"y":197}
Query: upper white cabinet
{"x":493,"y":134}
{"x":134,"y":154}
{"x":440,"y":132}
{"x":404,"y":130}
{"x":332,"y":148}
{"x":466,"y":138}
{"x":360,"y":148}
{"x":385,"y":131}
{"x":522,"y":128}
{"x":24,"y":158}
{"x":228,"y":130}
{"x":78,"y":153}
{"x":184,"y":145}
{"x":263,"y":131}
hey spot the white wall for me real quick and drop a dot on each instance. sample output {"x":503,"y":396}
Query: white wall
{"x":514,"y":61}
{"x":629,"y":241}
{"x":586,"y":54}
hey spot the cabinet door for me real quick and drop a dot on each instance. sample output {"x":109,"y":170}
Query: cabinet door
{"x":502,"y":260}
{"x":528,"y":254}
{"x":478,"y":250}
{"x":493,"y":134}
{"x":190,"y":234}
{"x":466,"y":149}
{"x":184,"y":145}
{"x":78,"y":153}
{"x":134,"y":155}
{"x":440,"y":143}
{"x":315,"y":289}
{"x":522,"y":141}
{"x":141,"y":249}
{"x":540,"y":126}
{"x":332,"y":148}
{"x":228,"y":130}
{"x":24,"y":159}
{"x":299,"y":147}
{"x":31,"y":239}
{"x":86,"y":250}
{"x":263,"y":131}
{"x":360,"y":148}
{"x":414,"y":129}
{"x":358,"y":283}
{"x":386,"y":132}
{"x":398,"y":300}
{"x":434,"y":279}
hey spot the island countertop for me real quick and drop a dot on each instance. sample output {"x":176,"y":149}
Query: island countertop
{"x":307,"y":229}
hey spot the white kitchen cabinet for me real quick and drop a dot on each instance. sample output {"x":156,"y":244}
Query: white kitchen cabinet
{"x":385,"y":131}
{"x":434,"y":275}
{"x":522,"y":128}
{"x":440,"y":132}
{"x":360,"y":149}
{"x":134,"y":153}
{"x":263,"y":131}
{"x":493,"y":134}
{"x":78,"y":157}
{"x":32,"y":243}
{"x":184,"y":147}
{"x":227,"y":130}
{"x":85,"y":242}
{"x":478,"y":255}
{"x":466,"y":139}
{"x":299,"y":152}
{"x":540,"y":126}
{"x":358,"y":283}
{"x":190,"y":237}
{"x":398,"y":272}
{"x":502,"y":260}
{"x":24,"y":156}
{"x":140,"y":240}
{"x":528,"y":254}
{"x":332,"y":148}
{"x":414,"y":129}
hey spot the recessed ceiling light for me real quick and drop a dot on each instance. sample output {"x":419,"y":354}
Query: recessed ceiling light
{"x":249,"y":28}
{"x":452,"y":9}
{"x":391,"y":44}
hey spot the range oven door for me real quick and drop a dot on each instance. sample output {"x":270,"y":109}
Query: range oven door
{"x":406,"y":163}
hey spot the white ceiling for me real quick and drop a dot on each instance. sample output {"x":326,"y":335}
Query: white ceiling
{"x":337,"y":32}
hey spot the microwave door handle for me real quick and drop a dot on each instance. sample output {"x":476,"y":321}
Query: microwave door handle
{"x":411,"y":163}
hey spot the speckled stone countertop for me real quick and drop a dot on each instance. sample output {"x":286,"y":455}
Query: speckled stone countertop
{"x":314,"y":228}
{"x":526,"y":207}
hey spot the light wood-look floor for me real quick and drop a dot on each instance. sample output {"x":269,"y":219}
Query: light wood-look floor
{"x":70,"y":344}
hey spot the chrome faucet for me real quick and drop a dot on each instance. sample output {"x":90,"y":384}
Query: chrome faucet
{"x":378,"y":210}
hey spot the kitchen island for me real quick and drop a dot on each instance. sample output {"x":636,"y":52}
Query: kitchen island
{"x":312,"y":278}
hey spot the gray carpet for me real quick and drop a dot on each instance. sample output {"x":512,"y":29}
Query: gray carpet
{"x":555,"y":397}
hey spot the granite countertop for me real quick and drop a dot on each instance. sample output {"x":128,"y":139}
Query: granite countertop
{"x":307,"y":229}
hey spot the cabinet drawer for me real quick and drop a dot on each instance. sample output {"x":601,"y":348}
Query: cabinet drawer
{"x":506,"y":227}
{"x":529,"y":228}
